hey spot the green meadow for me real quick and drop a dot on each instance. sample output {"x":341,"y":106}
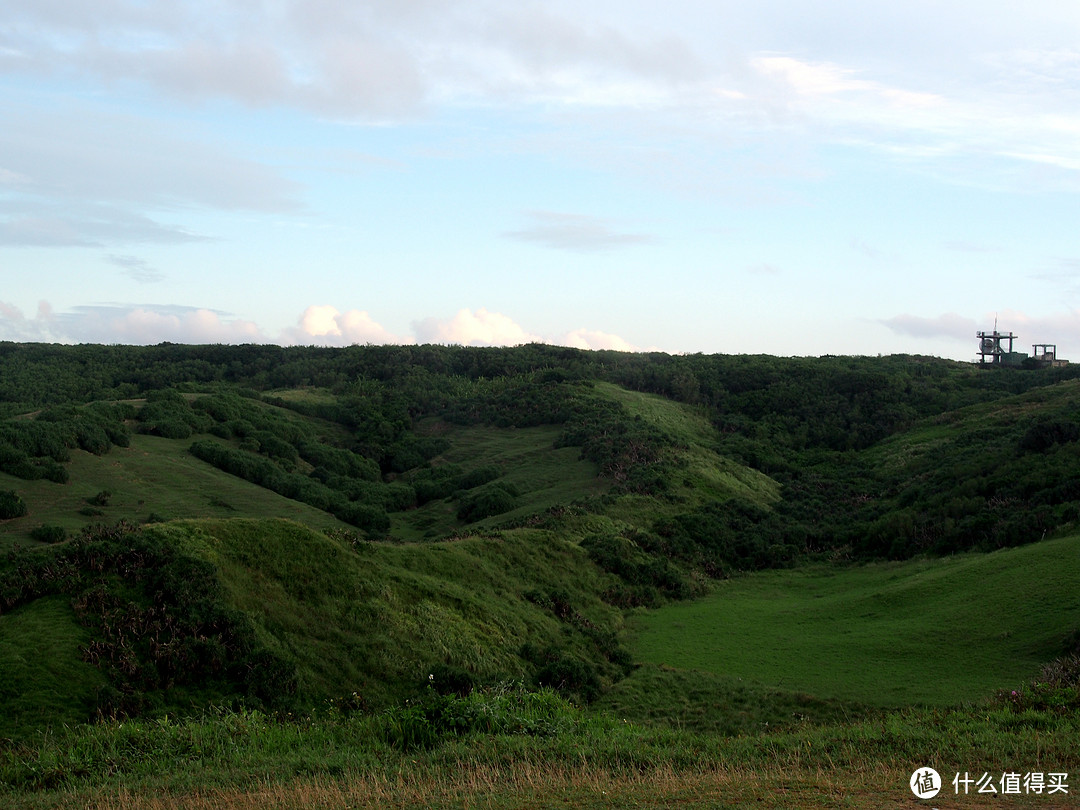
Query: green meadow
{"x":940,"y":631}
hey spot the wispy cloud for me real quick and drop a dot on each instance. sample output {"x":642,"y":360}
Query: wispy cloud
{"x":764,"y":269}
{"x":117,"y":179}
{"x":963,"y":246}
{"x":949,"y":325}
{"x":575,"y":232}
{"x":136,"y":269}
{"x":1059,"y":328}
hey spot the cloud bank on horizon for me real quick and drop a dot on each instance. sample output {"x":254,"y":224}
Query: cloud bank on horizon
{"x":702,"y":176}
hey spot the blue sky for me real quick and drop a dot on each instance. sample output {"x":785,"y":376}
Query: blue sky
{"x":778,"y":177}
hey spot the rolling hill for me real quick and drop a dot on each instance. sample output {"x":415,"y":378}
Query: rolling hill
{"x":725,"y":544}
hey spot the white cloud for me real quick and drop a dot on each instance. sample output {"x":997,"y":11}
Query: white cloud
{"x":318,"y":325}
{"x":126,"y":324}
{"x":593,"y":339}
{"x":146,"y":325}
{"x":468,"y":328}
{"x":324,"y":325}
{"x":17,"y":327}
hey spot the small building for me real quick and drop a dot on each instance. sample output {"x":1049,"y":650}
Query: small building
{"x":1045,"y":356}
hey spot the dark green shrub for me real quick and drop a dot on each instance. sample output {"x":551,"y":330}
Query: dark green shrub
{"x":450,"y":680}
{"x":54,"y":472}
{"x":571,"y":676}
{"x":477,"y":477}
{"x":48,"y":534}
{"x":624,"y":558}
{"x":1045,"y":433}
{"x":435,"y":483}
{"x":490,"y":500}
{"x":369,"y":518}
{"x":276,"y":448}
{"x":11,"y":505}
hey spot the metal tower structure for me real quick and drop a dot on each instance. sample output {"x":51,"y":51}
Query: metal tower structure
{"x":991,"y":345}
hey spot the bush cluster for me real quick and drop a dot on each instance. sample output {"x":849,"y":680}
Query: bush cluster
{"x":651,"y":575}
{"x":37,"y":448}
{"x":264,"y":472}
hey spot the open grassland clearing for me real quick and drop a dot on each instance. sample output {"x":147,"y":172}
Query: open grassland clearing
{"x":932,"y":631}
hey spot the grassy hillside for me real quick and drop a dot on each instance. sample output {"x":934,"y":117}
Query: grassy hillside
{"x":153,"y":479}
{"x":930,"y":631}
{"x":412,"y":547}
{"x":525,"y":458}
{"x":375,"y":619}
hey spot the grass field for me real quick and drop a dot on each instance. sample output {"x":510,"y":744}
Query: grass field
{"x":936,"y":631}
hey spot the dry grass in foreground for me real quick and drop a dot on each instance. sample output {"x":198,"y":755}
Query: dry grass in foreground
{"x":528,"y":785}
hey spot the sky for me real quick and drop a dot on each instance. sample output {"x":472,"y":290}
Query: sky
{"x":778,"y":177}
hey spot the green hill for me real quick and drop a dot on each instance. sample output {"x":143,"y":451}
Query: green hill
{"x":190,"y":526}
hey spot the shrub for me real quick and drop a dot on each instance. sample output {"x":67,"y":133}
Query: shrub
{"x":1057,"y":688}
{"x":49,"y":534}
{"x":478,"y":477}
{"x":504,"y":709}
{"x":54,"y":472}
{"x":624,"y":558}
{"x":11,"y":505}
{"x":490,"y":500}
{"x":570,"y":676}
{"x":1045,"y":433}
{"x":369,"y":518}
